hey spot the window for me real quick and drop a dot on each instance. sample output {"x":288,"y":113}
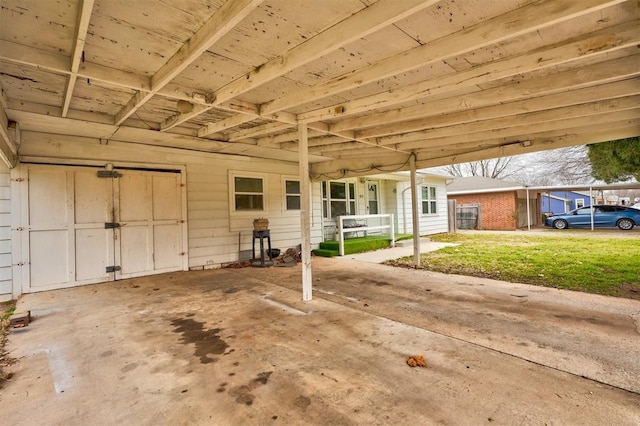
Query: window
{"x":248,"y":193}
{"x":429,"y":200}
{"x":579,"y":202}
{"x":338,"y":199}
{"x":292,"y":194}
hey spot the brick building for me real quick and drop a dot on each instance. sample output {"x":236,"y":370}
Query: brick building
{"x":499,"y":205}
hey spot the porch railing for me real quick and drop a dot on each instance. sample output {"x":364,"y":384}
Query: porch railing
{"x":364,"y":223}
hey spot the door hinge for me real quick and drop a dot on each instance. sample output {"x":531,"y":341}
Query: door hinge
{"x":113,"y":269}
{"x":109,"y":174}
{"x":111,"y":225}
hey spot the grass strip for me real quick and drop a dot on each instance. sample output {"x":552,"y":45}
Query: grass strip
{"x":600,"y":265}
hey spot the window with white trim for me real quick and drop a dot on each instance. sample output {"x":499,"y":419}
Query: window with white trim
{"x":579,"y":202}
{"x":248,"y":192}
{"x":338,"y":199}
{"x":429,"y":200}
{"x":292,"y":194}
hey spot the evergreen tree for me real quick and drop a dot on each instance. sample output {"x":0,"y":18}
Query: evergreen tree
{"x":616,"y":161}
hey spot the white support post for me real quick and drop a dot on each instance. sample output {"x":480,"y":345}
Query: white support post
{"x":340,"y":236}
{"x":305,"y":210}
{"x":528,"y":211}
{"x":414,"y":211}
{"x":591,"y":205}
{"x":393,"y":231}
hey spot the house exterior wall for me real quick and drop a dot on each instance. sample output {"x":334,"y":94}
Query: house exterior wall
{"x":216,"y":233}
{"x":563,"y":201}
{"x":395,"y":198}
{"x":428,"y":224}
{"x":5,"y":234}
{"x":390,"y":201}
{"x":498,"y":208}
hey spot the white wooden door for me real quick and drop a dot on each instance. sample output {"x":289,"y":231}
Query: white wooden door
{"x":149,"y":212}
{"x":65,"y":238}
{"x":65,"y":242}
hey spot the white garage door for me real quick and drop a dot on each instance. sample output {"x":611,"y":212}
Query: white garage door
{"x":83,"y":225}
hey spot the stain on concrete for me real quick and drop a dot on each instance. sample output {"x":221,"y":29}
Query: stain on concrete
{"x":129,"y":367}
{"x":106,"y":354}
{"x":243,"y":394}
{"x":302,"y":402}
{"x":206,"y":341}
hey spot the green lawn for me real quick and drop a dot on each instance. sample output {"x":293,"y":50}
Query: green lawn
{"x":609,"y":266}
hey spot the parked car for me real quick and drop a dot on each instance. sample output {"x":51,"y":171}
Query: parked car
{"x":603,"y":216}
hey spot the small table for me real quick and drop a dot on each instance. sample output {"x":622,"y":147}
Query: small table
{"x":261,"y":235}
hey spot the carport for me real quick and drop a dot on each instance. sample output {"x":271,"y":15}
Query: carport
{"x":591,"y":188}
{"x":238,"y":346}
{"x":330,"y":89}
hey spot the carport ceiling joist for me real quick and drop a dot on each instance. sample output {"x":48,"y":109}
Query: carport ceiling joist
{"x":375,"y":81}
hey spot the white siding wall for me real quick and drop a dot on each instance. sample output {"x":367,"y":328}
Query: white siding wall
{"x":428,"y":223}
{"x":5,"y":234}
{"x":212,"y":228}
{"x":388,"y":199}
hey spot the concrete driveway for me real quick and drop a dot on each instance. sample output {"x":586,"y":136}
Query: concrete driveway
{"x":238,"y":346}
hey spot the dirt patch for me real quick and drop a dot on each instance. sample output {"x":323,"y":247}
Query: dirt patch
{"x":630,"y":290}
{"x":6,"y":309}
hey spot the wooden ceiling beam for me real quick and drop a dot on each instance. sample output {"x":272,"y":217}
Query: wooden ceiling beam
{"x":245,"y":112}
{"x":538,"y":142}
{"x":603,"y":92}
{"x":520,"y":21}
{"x":8,"y":148}
{"x":475,"y":139}
{"x":591,"y":75}
{"x":520,"y":133}
{"x":85,"y":9}
{"x":503,"y":138}
{"x":600,"y":111}
{"x":227,"y":123}
{"x":597,"y":43}
{"x":361,"y":24}
{"x":364,"y":166}
{"x":367,"y":21}
{"x":586,"y":110}
{"x":278,"y":140}
{"x":258,"y":131}
{"x":223,"y":21}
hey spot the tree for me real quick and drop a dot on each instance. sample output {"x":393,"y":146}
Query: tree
{"x":616,"y":161}
{"x":562,"y":166}
{"x":497,"y":168}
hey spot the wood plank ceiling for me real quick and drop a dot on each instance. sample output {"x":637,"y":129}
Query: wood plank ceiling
{"x":375,"y":81}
